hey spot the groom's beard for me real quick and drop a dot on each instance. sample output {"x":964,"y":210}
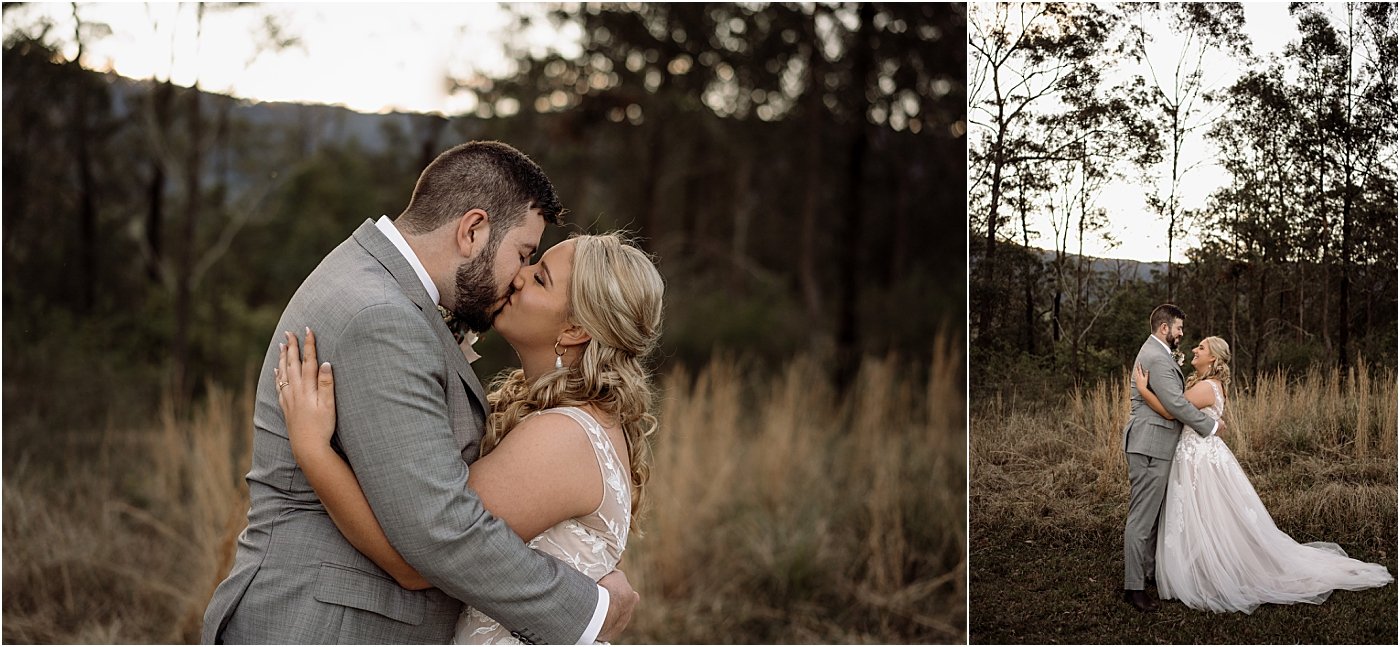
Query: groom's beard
{"x":1173,"y":341}
{"x":476,"y":293}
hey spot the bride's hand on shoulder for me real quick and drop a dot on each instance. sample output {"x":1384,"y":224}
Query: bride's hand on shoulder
{"x":306,"y":393}
{"x":1140,"y":376}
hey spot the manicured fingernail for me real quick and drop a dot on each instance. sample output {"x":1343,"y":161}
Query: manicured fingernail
{"x":308,"y":330}
{"x":326,"y":366}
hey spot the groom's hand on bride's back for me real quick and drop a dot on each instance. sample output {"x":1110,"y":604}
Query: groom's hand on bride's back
{"x":622,"y":600}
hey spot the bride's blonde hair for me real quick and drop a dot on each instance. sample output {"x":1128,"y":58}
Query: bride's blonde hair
{"x":1219,"y":369}
{"x":615,"y":295}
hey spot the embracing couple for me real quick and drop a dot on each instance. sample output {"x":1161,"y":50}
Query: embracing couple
{"x":392,"y":497}
{"x":1192,"y":512}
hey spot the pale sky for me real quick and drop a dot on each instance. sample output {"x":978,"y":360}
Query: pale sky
{"x":1140,"y":234}
{"x":367,"y":57}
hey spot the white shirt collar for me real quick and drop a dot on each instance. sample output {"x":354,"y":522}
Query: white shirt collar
{"x":1164,"y":344}
{"x":392,"y":233}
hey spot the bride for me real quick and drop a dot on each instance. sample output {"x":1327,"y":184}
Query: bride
{"x":1219,"y":549}
{"x":566,"y":455}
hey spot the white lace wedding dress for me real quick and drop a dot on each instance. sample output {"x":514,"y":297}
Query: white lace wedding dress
{"x":593,"y":544}
{"x":1219,"y":549}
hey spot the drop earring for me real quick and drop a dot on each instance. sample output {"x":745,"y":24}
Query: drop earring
{"x":558,"y":356}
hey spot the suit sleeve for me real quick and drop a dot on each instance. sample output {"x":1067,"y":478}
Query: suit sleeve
{"x":393,"y":424}
{"x":1174,"y":400}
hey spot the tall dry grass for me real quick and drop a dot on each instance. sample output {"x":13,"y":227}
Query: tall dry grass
{"x":119,"y":535}
{"x":1320,"y":447}
{"x":1049,"y":496}
{"x":787,"y":513}
{"x":781,"y":512}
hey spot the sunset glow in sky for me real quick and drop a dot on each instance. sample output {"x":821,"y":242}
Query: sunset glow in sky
{"x":367,"y":57}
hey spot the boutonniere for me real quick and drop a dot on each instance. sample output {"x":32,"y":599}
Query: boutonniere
{"x":465,"y":337}
{"x":1179,"y":357}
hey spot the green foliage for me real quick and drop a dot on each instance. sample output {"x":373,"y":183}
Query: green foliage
{"x":701,"y":322}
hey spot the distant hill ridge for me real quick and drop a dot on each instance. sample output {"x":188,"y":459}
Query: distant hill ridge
{"x":322,"y":123}
{"x":1139,"y":270}
{"x":1142,"y":270}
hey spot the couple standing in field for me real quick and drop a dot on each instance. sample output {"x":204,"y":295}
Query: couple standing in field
{"x":1193,"y":516}
{"x":366,"y":524}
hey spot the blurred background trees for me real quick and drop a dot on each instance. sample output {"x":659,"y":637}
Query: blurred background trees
{"x":1296,"y":257}
{"x":797,"y":171}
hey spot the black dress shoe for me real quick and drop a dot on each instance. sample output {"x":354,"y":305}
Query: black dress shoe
{"x":1140,"y":601}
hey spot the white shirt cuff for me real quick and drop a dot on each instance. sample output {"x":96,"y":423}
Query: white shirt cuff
{"x":590,"y":635}
{"x":1214,"y":428}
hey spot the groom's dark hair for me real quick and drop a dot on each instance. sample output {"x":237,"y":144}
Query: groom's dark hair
{"x":1165,"y":314}
{"x":490,"y":176}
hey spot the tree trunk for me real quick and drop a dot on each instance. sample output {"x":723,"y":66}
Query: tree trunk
{"x":899,"y":257}
{"x":851,"y":242}
{"x":743,"y":215}
{"x":430,"y":129}
{"x":807,"y":253}
{"x":1030,"y":270}
{"x":1348,"y":198}
{"x":155,"y":191}
{"x":87,"y":199}
{"x":185,"y":254}
{"x":987,"y":307}
{"x":650,"y":225}
{"x":1171,"y":204}
{"x":692,"y":187}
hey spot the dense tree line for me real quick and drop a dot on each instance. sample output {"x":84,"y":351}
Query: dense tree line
{"x":798,"y":172}
{"x":1296,"y":262}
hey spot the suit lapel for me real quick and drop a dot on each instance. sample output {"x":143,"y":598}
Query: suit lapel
{"x":1179,"y":375}
{"x":458,"y":361}
{"x":374,"y":242}
{"x":1162,"y":348}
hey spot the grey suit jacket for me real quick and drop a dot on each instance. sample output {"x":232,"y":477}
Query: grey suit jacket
{"x":1147,"y":432}
{"x":410,"y":414}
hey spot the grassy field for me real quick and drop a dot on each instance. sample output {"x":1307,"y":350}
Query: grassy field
{"x":1049,"y":495}
{"x":780,"y":512}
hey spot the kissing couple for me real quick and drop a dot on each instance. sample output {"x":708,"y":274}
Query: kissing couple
{"x":1193,"y":515}
{"x":392,"y":497}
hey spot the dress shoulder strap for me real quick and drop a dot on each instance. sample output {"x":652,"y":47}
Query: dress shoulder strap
{"x":1219,"y":396}
{"x":615,"y":483}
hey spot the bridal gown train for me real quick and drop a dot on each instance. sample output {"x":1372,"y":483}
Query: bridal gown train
{"x":592,"y":544}
{"x":1220,"y":550}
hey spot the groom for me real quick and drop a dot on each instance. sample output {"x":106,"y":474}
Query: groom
{"x":410,"y":419}
{"x":1150,"y":443}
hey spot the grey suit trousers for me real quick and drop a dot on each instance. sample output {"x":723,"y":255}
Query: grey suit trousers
{"x":1148,"y":478}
